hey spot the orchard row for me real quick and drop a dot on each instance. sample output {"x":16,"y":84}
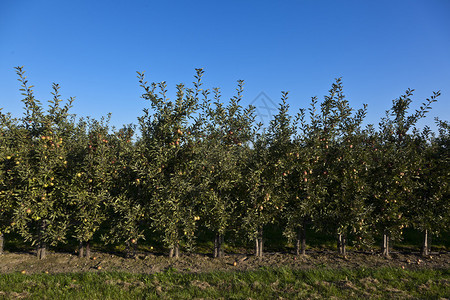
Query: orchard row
{"x":199,"y":161}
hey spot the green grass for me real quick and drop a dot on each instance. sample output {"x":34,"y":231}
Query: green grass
{"x":264,"y":283}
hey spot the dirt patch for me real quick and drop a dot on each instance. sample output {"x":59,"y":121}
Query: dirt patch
{"x":346,"y":284}
{"x":200,"y":284}
{"x":14,"y":295}
{"x":151,"y":263}
{"x":125,"y":284}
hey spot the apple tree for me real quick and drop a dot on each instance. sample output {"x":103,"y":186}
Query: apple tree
{"x":428,"y":209}
{"x":91,"y":166}
{"x":127,"y":203}
{"x":332,"y":164}
{"x":266,"y":175}
{"x":227,"y":130}
{"x":167,"y":151}
{"x":345,"y":202}
{"x":7,"y":163}
{"x":392,"y":170}
{"x":40,"y":174}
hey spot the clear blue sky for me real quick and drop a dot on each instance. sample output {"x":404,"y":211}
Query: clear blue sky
{"x":94,"y":48}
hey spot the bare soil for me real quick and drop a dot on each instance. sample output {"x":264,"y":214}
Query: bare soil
{"x":151,"y":263}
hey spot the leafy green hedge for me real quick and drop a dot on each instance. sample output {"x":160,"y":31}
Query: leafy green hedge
{"x":198,"y":162}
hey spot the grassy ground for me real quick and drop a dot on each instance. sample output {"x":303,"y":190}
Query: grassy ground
{"x":265,"y":283}
{"x":322,"y":274}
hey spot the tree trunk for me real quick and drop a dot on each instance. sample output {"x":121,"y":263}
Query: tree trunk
{"x":131,"y":250}
{"x":426,"y":246}
{"x":385,"y":245}
{"x":88,"y":249}
{"x":2,"y":241}
{"x":135,"y":249}
{"x":41,"y":246}
{"x":80,"y":250}
{"x":41,"y":250}
{"x":177,"y":251}
{"x":341,"y":244}
{"x":344,"y":245}
{"x":339,"y":241}
{"x":259,"y":243}
{"x":174,"y":252}
{"x":301,"y":241}
{"x":218,"y":241}
{"x":127,"y":250}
